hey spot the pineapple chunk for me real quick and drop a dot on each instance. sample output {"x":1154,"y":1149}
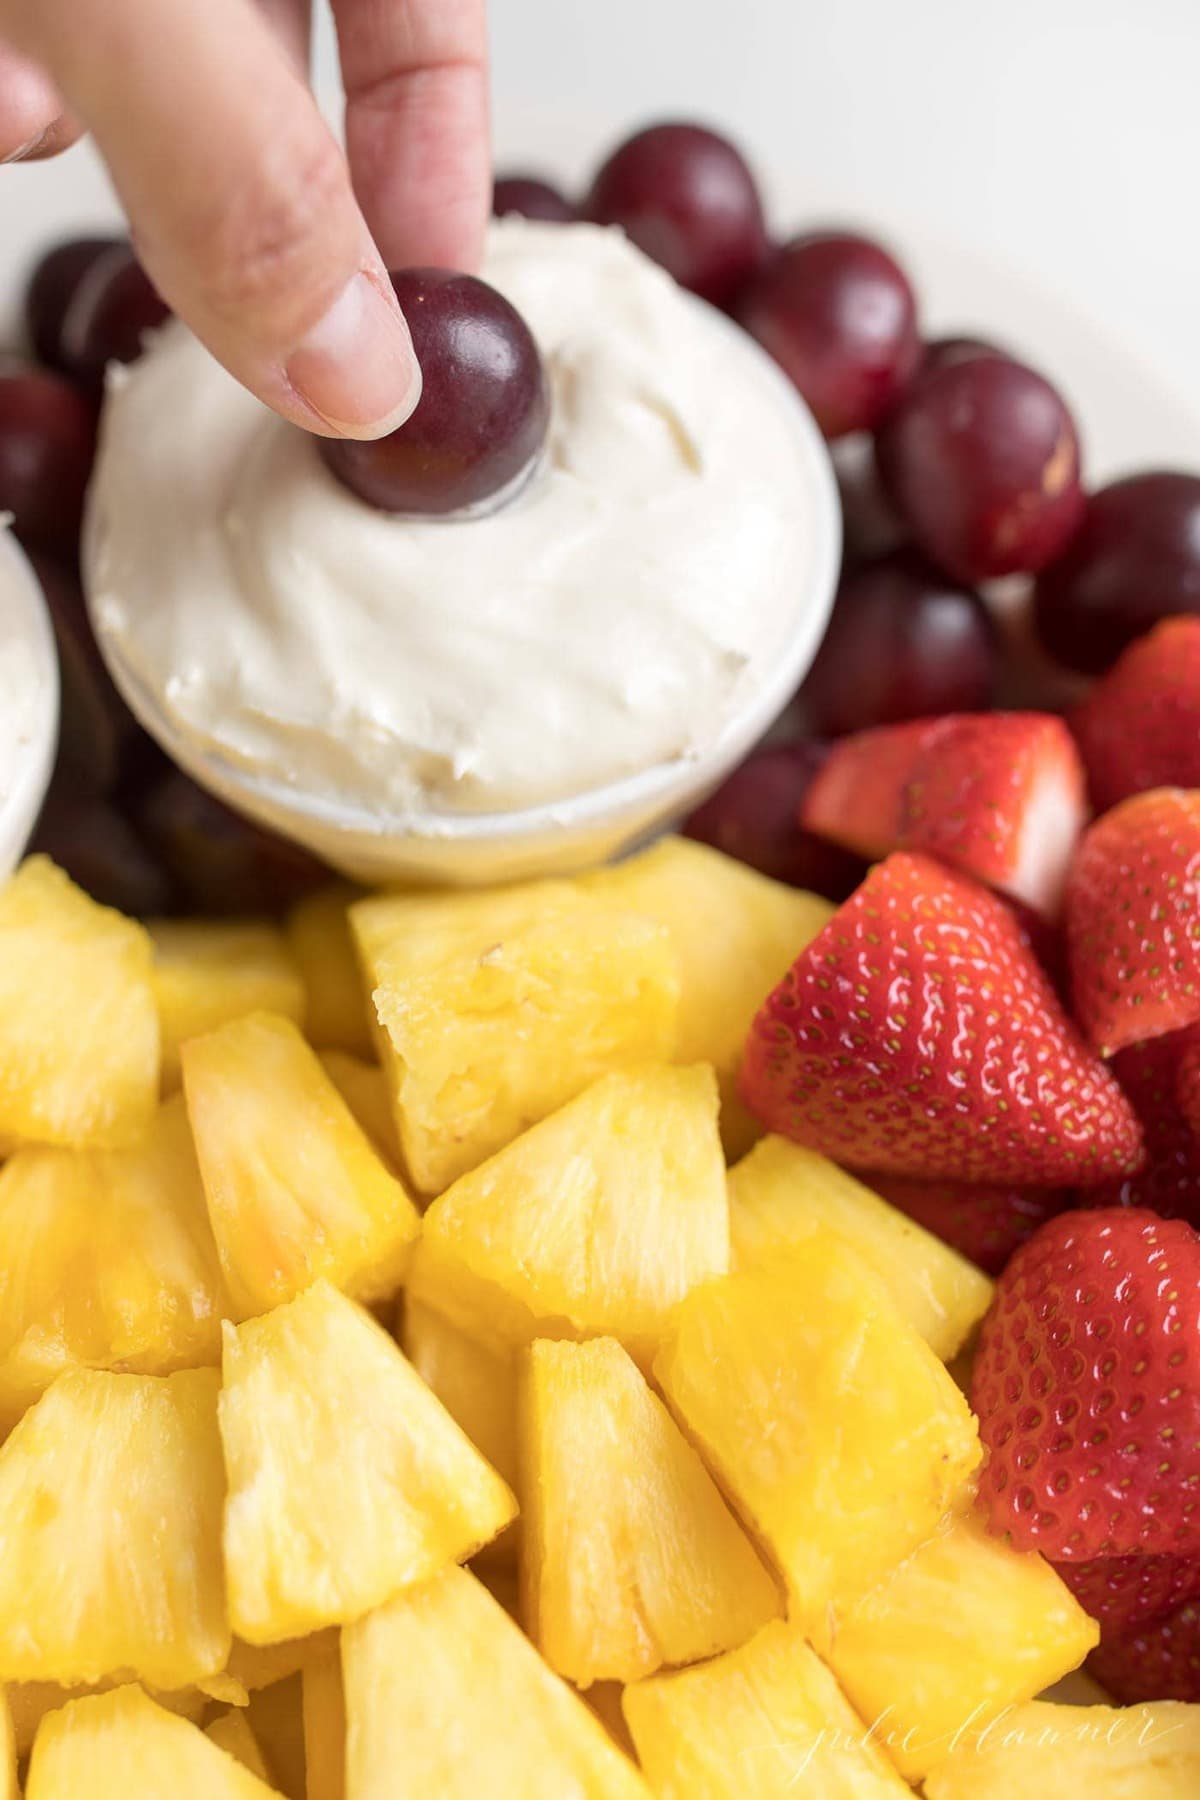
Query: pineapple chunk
{"x":363,"y":1086}
{"x":828,"y":1419}
{"x":79,"y":1047}
{"x":780,"y":1194}
{"x":324,"y":1727}
{"x":497,"y":1008}
{"x":478,"y":1387}
{"x":963,"y":1629}
{"x":231,"y":1731}
{"x":121,"y":1746}
{"x":107,"y":1261}
{"x":1104,"y":1752}
{"x":766,"y":1720}
{"x":630,"y":1557}
{"x":348,"y":1480}
{"x":337,"y":1011}
{"x":445,"y":1697}
{"x":598,"y":1221}
{"x":736,"y":935}
{"x":207,"y":972}
{"x":295,"y":1190}
{"x":30,"y":1701}
{"x":110,"y":1517}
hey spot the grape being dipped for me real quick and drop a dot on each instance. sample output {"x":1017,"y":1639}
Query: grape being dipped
{"x":838,"y":315}
{"x":903,"y":643}
{"x":484,"y":408}
{"x":102,"y":318}
{"x":686,"y":197}
{"x":981,"y":458}
{"x":1135,"y":560}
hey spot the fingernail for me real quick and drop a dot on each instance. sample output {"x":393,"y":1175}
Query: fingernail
{"x":356,"y":367}
{"x":35,"y":143}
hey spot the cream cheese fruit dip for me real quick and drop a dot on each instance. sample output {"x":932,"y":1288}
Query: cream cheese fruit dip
{"x":28,"y":701}
{"x":611,"y":617}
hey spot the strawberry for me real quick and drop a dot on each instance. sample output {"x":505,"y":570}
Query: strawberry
{"x":917,"y":1035}
{"x":1086,"y":1383}
{"x":998,"y":795}
{"x":1153,"y":1076}
{"x":1155,"y":1662}
{"x":1128,"y":1593}
{"x":1139,"y":728}
{"x":1133,"y":920}
{"x":1187,"y":1092}
{"x":984,"y":1224}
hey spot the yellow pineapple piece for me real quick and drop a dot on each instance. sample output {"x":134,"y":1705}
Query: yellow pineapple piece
{"x":363,"y":1086}
{"x":767,"y":1720}
{"x":121,"y":1746}
{"x":446,"y":1697}
{"x":337,"y":1009}
{"x":630,"y":1558}
{"x":231,"y":1731}
{"x":963,"y":1629}
{"x":478,"y":1387}
{"x":79,"y":1045}
{"x":276,"y":1717}
{"x":497,"y":1008}
{"x":110,"y":1516}
{"x":828,"y":1419}
{"x":107,"y":1261}
{"x":295,"y":1189}
{"x":735,"y":933}
{"x":348,"y":1479}
{"x":780,"y":1194}
{"x":1149,"y":1752}
{"x":30,"y":1701}
{"x":597,"y":1221}
{"x":325,"y":1727}
{"x":208,"y":971}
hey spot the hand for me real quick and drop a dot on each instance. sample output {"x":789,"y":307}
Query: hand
{"x":242,"y":206}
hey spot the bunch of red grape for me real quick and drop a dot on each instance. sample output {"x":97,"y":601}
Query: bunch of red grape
{"x":959,"y":464}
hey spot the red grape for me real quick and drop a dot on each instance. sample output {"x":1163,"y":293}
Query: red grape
{"x":754,"y":816}
{"x":686,"y":197}
{"x":484,"y":407}
{"x":1135,"y":560}
{"x":941,"y":353}
{"x":222,"y":863}
{"x":52,"y":285}
{"x":47,"y":438}
{"x":107,"y":316}
{"x":533,"y":198}
{"x":981,"y":458}
{"x":903,"y":643}
{"x":870,"y":524}
{"x":839,"y":317}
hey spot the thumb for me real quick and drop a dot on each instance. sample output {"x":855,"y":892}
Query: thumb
{"x":239,"y":198}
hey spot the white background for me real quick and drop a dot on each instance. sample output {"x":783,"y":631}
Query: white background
{"x":1038,"y":158}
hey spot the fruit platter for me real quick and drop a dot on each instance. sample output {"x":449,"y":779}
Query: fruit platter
{"x":714,"y":1316}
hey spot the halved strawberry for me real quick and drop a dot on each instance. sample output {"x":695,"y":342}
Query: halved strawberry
{"x":984,"y":1224}
{"x":1157,"y":1662}
{"x":997,"y":795}
{"x":1086,"y":1383}
{"x":1154,"y":1076}
{"x":917,"y":1035}
{"x":1133,"y":920}
{"x":1139,"y":728}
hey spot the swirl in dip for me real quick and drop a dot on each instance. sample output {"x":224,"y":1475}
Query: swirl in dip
{"x":609,"y":618}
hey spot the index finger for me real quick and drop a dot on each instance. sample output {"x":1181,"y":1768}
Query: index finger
{"x":415,"y":73}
